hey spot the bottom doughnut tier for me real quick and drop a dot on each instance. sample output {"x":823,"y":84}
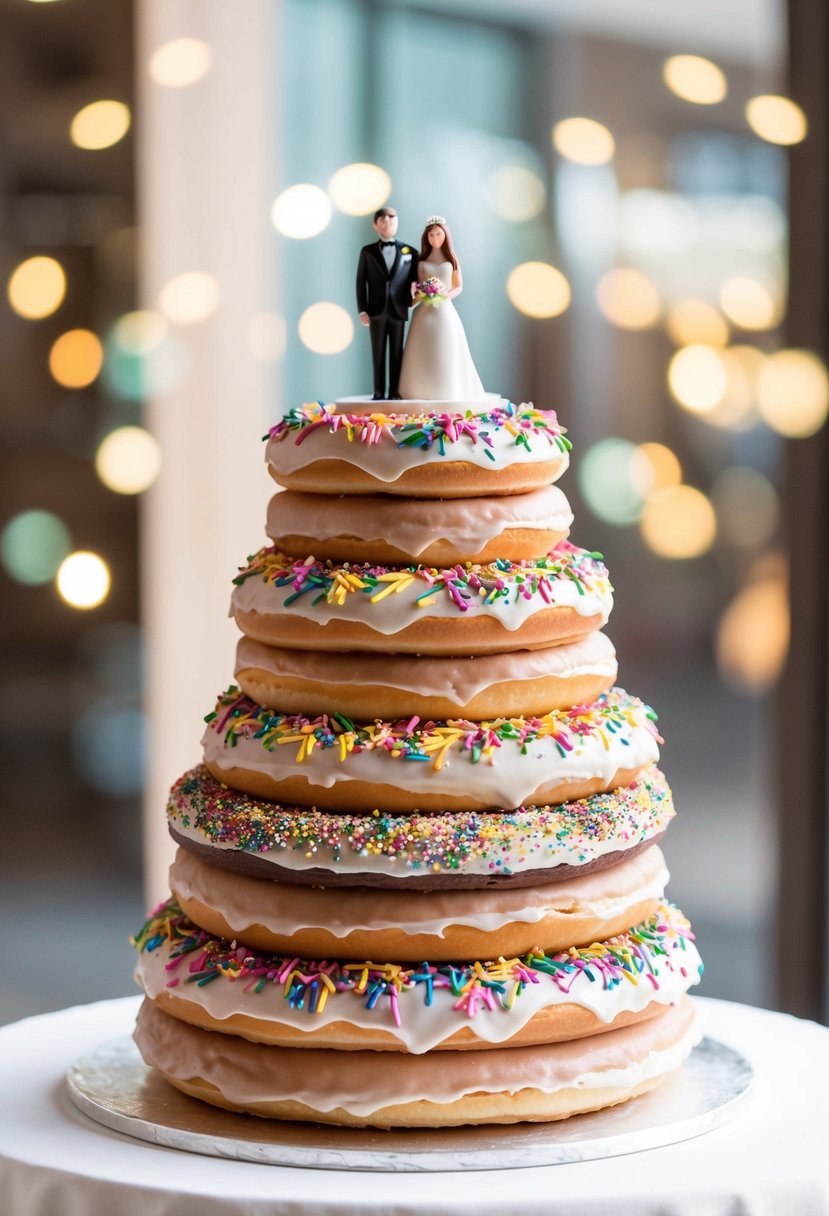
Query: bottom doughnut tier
{"x":438,"y":1089}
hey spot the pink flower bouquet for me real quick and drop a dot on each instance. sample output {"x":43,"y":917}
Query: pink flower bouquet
{"x":430,"y":291}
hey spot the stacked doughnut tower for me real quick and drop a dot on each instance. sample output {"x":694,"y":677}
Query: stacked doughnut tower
{"x":418,"y":882}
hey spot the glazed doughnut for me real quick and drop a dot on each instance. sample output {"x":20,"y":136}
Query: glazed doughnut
{"x":367,"y":686}
{"x":504,"y":450}
{"x":542,"y":998}
{"x":463,"y":610}
{"x":376,"y":529}
{"x":528,"y":847}
{"x":441,"y":1089}
{"x":356,"y":922}
{"x":433,"y":766}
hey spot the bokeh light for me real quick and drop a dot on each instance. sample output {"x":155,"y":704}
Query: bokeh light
{"x":108,"y":743}
{"x":753,"y":632}
{"x":678,"y":522}
{"x":697,"y":378}
{"x":76,"y":358}
{"x":139,"y":332}
{"x":515,"y":193}
{"x":301,"y":211}
{"x":628,"y":298}
{"x":180,"y":62}
{"x":695,"y":79}
{"x":359,"y":189}
{"x":654,"y":467}
{"x":778,"y":120}
{"x":267,"y":336}
{"x":189,"y":297}
{"x":736,"y":409}
{"x":793,"y":393}
{"x":538,"y":290}
{"x":583,"y":141}
{"x":83,"y":580}
{"x":608,"y":481}
{"x":691,"y":322}
{"x":748,"y":303}
{"x":32,"y":546}
{"x":326,"y":328}
{"x":36,"y":288}
{"x":747,"y":506}
{"x":128,"y":460}
{"x":99,"y":125}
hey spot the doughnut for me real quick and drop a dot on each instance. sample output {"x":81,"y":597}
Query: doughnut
{"x":463,"y":610}
{"x":459,"y":850}
{"x":365,"y":686}
{"x":440,"y":1089}
{"x":356,"y":922}
{"x":455,"y":765}
{"x":540,"y":998}
{"x":433,"y":454}
{"x":376,"y":528}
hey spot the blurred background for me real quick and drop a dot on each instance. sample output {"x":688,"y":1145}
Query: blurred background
{"x":637,"y":200}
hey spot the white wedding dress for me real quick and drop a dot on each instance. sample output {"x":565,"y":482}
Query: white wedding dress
{"x":437,"y":365}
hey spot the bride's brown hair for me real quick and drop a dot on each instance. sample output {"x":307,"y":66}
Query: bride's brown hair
{"x":446,"y":247}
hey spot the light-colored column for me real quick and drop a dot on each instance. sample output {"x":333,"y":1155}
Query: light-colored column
{"x":206,"y":171}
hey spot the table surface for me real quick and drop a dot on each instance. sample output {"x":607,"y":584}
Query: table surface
{"x":774,"y":1158}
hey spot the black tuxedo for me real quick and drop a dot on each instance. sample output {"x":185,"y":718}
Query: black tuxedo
{"x":386,"y":295}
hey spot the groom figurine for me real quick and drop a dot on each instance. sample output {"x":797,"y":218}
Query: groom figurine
{"x":385,"y":273}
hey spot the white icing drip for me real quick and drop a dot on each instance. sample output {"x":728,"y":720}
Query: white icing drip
{"x":400,"y":610}
{"x":424,"y":1026}
{"x":386,"y":461}
{"x":243,"y":901}
{"x":246,"y":1073}
{"x":459,"y":680}
{"x":466,"y":523}
{"x":510,"y":780}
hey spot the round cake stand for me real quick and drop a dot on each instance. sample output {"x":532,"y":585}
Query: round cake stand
{"x":114,"y":1086}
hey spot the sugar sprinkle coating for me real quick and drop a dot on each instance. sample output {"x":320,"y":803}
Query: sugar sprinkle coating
{"x":425,"y":843}
{"x":641,"y":955}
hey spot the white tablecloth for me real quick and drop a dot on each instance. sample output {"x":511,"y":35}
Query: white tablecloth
{"x":774,"y":1158}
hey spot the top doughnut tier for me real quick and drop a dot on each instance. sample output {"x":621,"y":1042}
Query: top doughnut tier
{"x":439,"y":453}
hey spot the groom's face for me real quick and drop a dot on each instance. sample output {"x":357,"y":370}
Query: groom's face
{"x":386,"y":226}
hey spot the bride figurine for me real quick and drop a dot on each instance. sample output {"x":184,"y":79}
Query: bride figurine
{"x":437,"y":365}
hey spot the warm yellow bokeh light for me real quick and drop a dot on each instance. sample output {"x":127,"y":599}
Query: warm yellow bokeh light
{"x":793,"y":393}
{"x":141,"y":331}
{"x":189,"y":297}
{"x":180,"y":62}
{"x":83,"y":580}
{"x":691,"y":322}
{"x":36,"y":288}
{"x":628,"y":298}
{"x":100,"y":125}
{"x":538,"y":290}
{"x":655,"y":467}
{"x":753,"y":633}
{"x":748,"y":303}
{"x":326,"y":328}
{"x":678,"y":522}
{"x":735,"y":411}
{"x":359,"y":189}
{"x":301,"y":211}
{"x":128,"y":460}
{"x":267,"y":337}
{"x":697,"y":378}
{"x":778,"y":120}
{"x":76,"y":358}
{"x":514,"y":193}
{"x":584,"y":141}
{"x":695,"y":79}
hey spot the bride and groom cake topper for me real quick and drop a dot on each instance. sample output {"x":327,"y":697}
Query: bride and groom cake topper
{"x":434,"y":363}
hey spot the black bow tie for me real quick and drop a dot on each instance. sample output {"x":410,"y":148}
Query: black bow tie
{"x":385,"y":244}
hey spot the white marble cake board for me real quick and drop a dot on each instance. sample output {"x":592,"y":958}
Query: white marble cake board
{"x":114,"y":1086}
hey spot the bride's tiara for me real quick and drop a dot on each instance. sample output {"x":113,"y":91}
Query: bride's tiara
{"x":435,"y":219}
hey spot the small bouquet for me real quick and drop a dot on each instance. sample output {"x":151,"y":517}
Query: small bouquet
{"x":430,"y":291}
